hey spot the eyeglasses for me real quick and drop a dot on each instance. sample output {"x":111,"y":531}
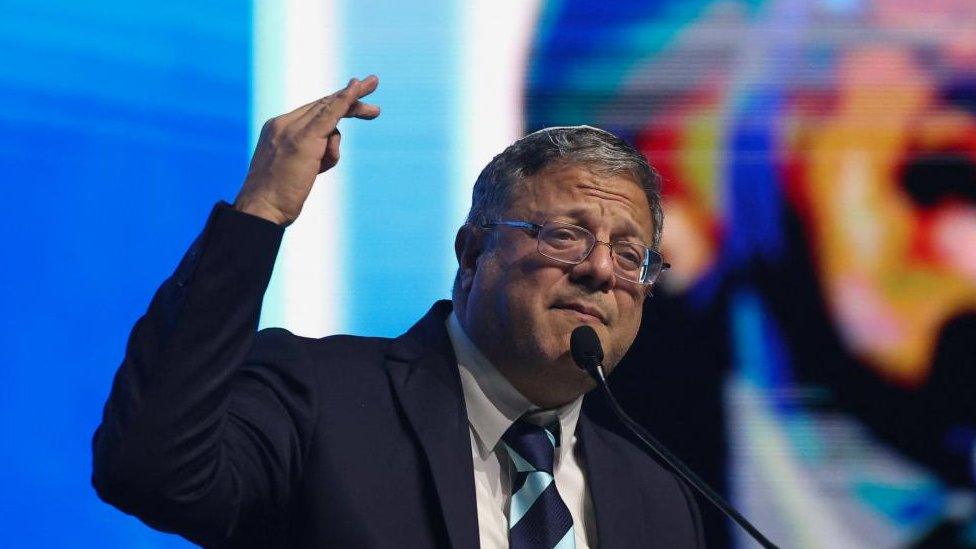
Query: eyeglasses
{"x":572,"y":244}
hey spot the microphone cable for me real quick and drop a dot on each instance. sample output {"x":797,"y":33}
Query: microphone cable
{"x":587,"y":352}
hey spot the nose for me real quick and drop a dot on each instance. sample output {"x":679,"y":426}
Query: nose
{"x":596,"y":272}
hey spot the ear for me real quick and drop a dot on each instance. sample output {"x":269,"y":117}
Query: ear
{"x":468,"y":246}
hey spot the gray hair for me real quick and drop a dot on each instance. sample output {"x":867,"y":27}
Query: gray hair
{"x":597,"y":150}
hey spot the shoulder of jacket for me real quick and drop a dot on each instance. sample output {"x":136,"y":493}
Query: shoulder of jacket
{"x":282,"y":339}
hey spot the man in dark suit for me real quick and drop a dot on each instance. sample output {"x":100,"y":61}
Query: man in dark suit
{"x":464,"y":431}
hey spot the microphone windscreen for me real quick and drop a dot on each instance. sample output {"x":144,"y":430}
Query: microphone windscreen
{"x":585,"y":346}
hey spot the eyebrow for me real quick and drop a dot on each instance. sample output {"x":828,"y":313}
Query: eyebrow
{"x":578,"y":214}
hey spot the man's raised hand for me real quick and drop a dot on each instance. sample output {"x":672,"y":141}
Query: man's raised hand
{"x":295,"y":147}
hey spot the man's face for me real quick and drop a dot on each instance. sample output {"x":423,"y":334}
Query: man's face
{"x":522,"y":306}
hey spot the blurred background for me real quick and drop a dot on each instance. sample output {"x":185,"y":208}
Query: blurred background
{"x":812,"y":352}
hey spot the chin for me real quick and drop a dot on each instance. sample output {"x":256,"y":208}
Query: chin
{"x":576,"y":382}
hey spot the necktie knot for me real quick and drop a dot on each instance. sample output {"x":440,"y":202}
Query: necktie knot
{"x":531,"y":447}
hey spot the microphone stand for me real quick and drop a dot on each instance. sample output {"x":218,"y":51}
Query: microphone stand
{"x":595,"y":369}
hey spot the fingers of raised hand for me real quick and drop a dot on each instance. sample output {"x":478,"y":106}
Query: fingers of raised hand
{"x":311,"y":130}
{"x":348,"y":98}
{"x":322,"y":119}
{"x":364,"y":111}
{"x":359,"y":109}
{"x":366,"y":86}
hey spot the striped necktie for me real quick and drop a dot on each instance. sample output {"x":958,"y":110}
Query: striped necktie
{"x":538,"y":518}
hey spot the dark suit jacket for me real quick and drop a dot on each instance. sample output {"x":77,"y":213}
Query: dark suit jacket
{"x":235,"y":439}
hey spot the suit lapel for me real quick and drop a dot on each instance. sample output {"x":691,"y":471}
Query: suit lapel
{"x":616,"y":502}
{"x":423,"y":373}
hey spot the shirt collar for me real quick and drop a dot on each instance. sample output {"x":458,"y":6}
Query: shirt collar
{"x":493,"y":403}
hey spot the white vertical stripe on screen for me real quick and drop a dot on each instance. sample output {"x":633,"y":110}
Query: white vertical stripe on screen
{"x":296,"y":56}
{"x":768,"y":474}
{"x":496,"y":36}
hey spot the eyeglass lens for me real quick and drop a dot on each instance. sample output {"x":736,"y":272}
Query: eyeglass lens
{"x":572,"y":244}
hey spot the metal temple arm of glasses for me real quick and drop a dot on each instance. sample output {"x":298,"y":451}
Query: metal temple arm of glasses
{"x":518,"y":224}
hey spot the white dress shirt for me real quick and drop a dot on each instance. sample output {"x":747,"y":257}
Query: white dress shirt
{"x":493,"y":404}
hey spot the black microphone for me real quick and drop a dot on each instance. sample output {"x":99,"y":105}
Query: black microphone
{"x":584,"y":346}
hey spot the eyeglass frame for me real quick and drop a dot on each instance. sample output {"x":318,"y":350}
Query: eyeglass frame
{"x":536,"y":229}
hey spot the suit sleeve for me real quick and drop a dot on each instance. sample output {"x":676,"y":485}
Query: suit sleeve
{"x":204,"y":428}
